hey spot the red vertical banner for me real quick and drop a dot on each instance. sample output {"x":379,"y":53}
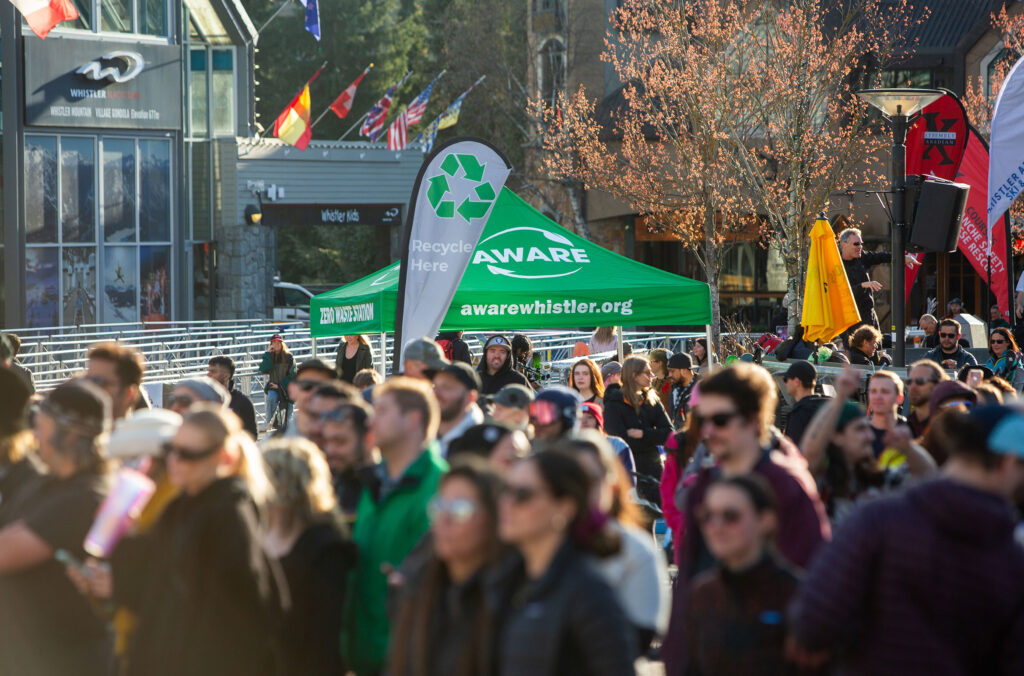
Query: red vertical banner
{"x":973,"y":241}
{"x":935,"y":147}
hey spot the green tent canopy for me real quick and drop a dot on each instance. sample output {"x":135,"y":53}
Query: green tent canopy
{"x":527,"y":272}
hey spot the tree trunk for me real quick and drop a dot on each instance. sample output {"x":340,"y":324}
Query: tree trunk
{"x":573,"y":191}
{"x":712,"y":270}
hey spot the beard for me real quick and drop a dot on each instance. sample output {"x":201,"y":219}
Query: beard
{"x":453,"y":411}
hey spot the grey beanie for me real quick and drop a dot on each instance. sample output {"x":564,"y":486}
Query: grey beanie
{"x":207,"y":389}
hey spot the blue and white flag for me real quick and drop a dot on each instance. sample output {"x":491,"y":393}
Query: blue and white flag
{"x":313,"y":18}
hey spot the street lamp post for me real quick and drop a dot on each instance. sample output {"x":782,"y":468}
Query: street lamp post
{"x":900,"y":107}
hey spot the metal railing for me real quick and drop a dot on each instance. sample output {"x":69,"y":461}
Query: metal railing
{"x":177,"y":350}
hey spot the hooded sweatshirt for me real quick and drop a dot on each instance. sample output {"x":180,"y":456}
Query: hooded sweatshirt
{"x":927,"y":582}
{"x":506,"y":375}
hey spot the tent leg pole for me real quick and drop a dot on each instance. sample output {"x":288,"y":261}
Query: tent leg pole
{"x":382,"y":365}
{"x":314,"y":347}
{"x":618,"y":341}
{"x":711,"y":348}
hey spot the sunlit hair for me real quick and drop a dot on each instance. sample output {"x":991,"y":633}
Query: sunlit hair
{"x":863,"y":334}
{"x":604,"y":333}
{"x":888,"y":375}
{"x":301,"y":479}
{"x":15,"y":447}
{"x":223,"y":429}
{"x":128,"y":362}
{"x":412,"y":394}
{"x":631,"y":369}
{"x":596,"y":381}
{"x":846,"y":234}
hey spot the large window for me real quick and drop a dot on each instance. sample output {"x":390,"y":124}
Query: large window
{"x":92,"y":260}
{"x":211,"y":92}
{"x":145,"y":17}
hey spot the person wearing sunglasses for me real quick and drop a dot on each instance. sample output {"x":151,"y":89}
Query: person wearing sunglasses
{"x":200,"y":578}
{"x":554,"y":412}
{"x":198,"y":390}
{"x":321,"y":402}
{"x":443,"y":626}
{"x":555,"y":613}
{"x":950,"y":355}
{"x":1004,"y":357}
{"x":46,"y":626}
{"x":856,"y":262}
{"x":923,"y":377}
{"x":117,"y":370}
{"x":309,"y":375}
{"x":306,"y":535}
{"x":743,"y":600}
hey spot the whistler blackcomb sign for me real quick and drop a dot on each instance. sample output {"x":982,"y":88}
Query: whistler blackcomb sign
{"x":92,"y":83}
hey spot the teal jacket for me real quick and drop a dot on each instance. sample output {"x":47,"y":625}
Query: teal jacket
{"x":281,"y":372}
{"x":385,"y":532}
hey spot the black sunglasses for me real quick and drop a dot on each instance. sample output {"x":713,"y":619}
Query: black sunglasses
{"x":718,"y":419}
{"x":947,"y":335}
{"x":922,"y":381}
{"x":188,"y":454}
{"x":997,"y":342}
{"x":182,"y":400}
{"x":307,"y":385}
{"x":519,"y":494}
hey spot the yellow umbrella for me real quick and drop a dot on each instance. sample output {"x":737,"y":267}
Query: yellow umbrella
{"x":829,"y":307}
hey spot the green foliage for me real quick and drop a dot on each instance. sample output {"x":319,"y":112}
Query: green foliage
{"x":327,"y":254}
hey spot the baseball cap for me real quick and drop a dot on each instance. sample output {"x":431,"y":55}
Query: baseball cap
{"x":851,"y":411}
{"x":498,"y":340}
{"x":612,"y":368}
{"x":143,"y":433}
{"x":427,"y":351}
{"x":949,"y":390}
{"x":556,"y":404}
{"x":1007,"y":437}
{"x":955,"y":300}
{"x":803,"y":371}
{"x":276,"y":336}
{"x":206,"y":389}
{"x":79,"y":404}
{"x":680,"y":360}
{"x":514,"y":396}
{"x":462,"y":372}
{"x":594,"y":410}
{"x":316,"y":365}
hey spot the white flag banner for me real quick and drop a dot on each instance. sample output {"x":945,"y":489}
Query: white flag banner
{"x":1006,"y":147}
{"x":451,"y":202}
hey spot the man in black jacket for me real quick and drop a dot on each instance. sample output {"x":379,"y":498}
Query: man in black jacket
{"x":496,"y":366}
{"x":856,"y":262}
{"x":950,"y":354}
{"x":222,"y":369}
{"x":799,"y":380}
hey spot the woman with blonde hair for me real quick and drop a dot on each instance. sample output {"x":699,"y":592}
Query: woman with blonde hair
{"x":586,"y":379}
{"x":604,"y":339}
{"x":354,"y":355}
{"x":634,"y":412}
{"x":207,"y":598}
{"x":306,"y":534}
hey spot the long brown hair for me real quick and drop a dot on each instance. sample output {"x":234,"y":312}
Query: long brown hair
{"x":1011,"y":344}
{"x":412,"y":643}
{"x":596,"y":381}
{"x":631,"y":368}
{"x":604,"y":333}
{"x":623,"y":509}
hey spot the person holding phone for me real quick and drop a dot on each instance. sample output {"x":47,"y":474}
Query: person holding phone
{"x":279,"y":365}
{"x":1004,"y":358}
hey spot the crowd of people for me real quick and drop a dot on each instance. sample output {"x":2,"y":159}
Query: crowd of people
{"x":461,"y":520}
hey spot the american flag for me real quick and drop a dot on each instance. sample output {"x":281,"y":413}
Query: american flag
{"x":373,"y":125}
{"x":398,"y":132}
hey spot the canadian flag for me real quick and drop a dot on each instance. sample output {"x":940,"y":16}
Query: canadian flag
{"x":343,"y":104}
{"x":43,"y":15}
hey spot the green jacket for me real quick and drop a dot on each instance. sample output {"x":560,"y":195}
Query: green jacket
{"x":281,"y":372}
{"x":385,"y":532}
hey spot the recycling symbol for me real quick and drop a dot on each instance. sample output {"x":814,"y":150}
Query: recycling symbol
{"x":443,"y":188}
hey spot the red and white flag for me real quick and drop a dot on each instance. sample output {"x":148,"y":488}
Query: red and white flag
{"x":398,"y":132}
{"x":43,"y":15}
{"x":343,"y":104}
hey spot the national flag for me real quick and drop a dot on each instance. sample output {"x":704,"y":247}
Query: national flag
{"x":398,"y":132}
{"x":43,"y":15}
{"x":343,"y":104}
{"x":829,"y":307}
{"x":292,"y":125}
{"x":446,"y":119}
{"x":374,"y":122}
{"x":313,"y":18}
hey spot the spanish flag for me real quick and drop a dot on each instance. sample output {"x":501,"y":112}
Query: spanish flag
{"x":829,"y":307}
{"x":292,"y":125}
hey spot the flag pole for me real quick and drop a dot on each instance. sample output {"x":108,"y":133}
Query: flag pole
{"x":274,"y":15}
{"x":354,"y":126}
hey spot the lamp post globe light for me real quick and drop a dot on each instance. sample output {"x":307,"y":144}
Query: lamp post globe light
{"x":901,"y":107}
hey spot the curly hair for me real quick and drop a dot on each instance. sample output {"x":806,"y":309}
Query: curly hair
{"x":301,"y":479}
